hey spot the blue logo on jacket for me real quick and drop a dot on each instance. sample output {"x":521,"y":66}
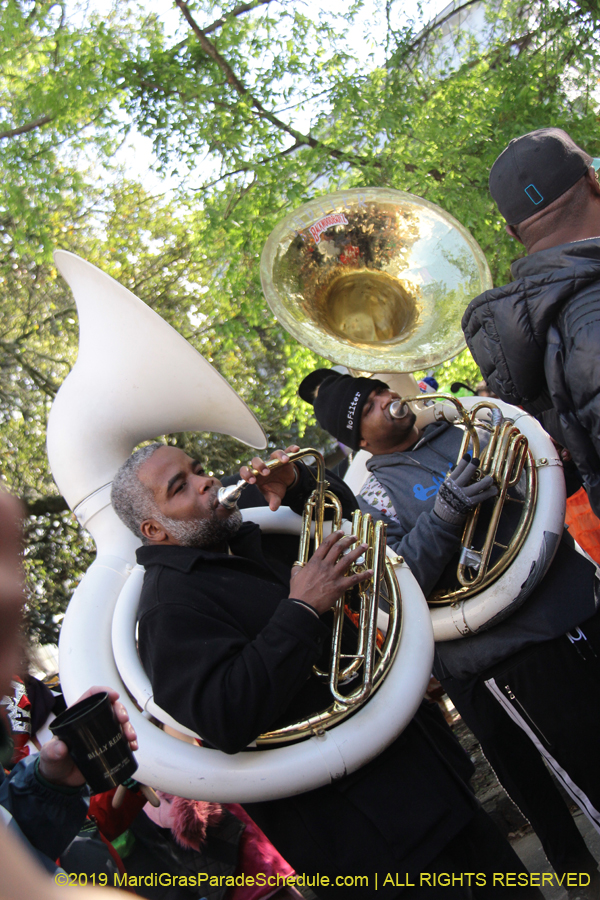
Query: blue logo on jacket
{"x":424,"y":493}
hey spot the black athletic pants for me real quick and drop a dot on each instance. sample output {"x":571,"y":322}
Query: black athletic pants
{"x":479,"y":851}
{"x":552,"y":691}
{"x":544,"y":700}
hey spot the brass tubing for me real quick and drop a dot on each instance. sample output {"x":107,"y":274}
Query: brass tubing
{"x":513,"y":447}
{"x":484,"y":468}
{"x":520,"y":462}
{"x":373,"y":662}
{"x":463,"y":415}
{"x":498,"y":474}
{"x":338,"y":711}
{"x":307,"y":519}
{"x":522,"y":528}
{"x":336,"y":645}
{"x":338,"y":606}
{"x":335,"y":675}
{"x":319,"y":499}
{"x":505,"y":457}
{"x":379,"y":552}
{"x":339,"y":674}
{"x":367,"y":638}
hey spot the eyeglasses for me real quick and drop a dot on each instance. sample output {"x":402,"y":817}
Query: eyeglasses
{"x":595,"y":164}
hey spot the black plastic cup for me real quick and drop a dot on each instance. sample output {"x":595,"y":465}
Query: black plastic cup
{"x":96,"y":743}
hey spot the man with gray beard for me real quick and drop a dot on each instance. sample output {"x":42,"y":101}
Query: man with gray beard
{"x":229,"y":632}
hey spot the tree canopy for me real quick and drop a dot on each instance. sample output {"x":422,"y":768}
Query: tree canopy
{"x":251,"y":110}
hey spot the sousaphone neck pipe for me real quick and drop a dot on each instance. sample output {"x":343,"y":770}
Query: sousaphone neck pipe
{"x":228,"y":496}
{"x":436,"y":404}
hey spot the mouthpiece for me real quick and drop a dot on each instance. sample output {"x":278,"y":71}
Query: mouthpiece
{"x":398,"y":409}
{"x":229,"y":496}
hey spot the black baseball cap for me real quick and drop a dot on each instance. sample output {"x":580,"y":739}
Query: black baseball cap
{"x":534,"y":170}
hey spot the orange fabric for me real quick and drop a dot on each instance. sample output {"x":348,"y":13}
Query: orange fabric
{"x":355,"y":619}
{"x":583,"y":525}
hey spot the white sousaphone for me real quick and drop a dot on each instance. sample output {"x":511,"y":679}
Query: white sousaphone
{"x":136,"y":378}
{"x":377,"y":280}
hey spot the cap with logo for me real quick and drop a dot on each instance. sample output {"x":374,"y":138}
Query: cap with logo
{"x":534,"y":170}
{"x":338,"y":401}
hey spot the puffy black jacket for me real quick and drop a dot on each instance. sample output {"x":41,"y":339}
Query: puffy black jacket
{"x":537,"y":343}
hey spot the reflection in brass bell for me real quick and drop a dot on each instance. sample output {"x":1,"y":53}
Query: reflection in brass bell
{"x":374,"y":279}
{"x":366,"y":307}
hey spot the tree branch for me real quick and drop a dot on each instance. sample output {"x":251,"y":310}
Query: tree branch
{"x":433,"y":26}
{"x":235,"y":200}
{"x":238,"y":11}
{"x":495,"y":56}
{"x":248,"y":168}
{"x":42,"y":383}
{"x":23,"y":129}
{"x":234,"y":82}
{"x":218,"y":23}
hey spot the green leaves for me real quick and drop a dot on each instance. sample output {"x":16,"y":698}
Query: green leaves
{"x":261,"y":107}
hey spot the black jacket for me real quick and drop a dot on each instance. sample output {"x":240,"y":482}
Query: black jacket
{"x":229,"y":655}
{"x":537,"y":343}
{"x":225,"y":620}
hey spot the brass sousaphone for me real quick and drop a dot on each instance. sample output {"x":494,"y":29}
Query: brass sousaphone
{"x":378,"y":280}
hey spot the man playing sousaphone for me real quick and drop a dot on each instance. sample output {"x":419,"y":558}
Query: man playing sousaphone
{"x":539,"y":668}
{"x":229,"y":635}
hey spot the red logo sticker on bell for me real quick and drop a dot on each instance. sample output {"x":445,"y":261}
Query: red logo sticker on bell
{"x":323,"y":224}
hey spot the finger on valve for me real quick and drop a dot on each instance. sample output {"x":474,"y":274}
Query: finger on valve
{"x":465,"y":471}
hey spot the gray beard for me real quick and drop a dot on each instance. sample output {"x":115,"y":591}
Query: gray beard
{"x":203,"y":533}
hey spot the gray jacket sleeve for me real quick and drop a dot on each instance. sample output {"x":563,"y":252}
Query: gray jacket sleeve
{"x":427,"y":548}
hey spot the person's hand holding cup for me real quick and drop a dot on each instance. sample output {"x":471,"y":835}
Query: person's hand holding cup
{"x":93,"y":741}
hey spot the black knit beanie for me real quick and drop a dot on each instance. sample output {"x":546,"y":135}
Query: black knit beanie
{"x":338,"y":401}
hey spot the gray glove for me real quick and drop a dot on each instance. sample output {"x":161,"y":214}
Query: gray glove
{"x":457,"y":496}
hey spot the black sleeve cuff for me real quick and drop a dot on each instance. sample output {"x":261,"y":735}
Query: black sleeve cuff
{"x":310,"y":630}
{"x":67,"y":790}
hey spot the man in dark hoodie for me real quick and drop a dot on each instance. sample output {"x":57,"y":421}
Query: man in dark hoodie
{"x":536,"y":339}
{"x":528,"y":682}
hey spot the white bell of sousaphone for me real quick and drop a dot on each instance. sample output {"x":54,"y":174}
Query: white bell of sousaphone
{"x":136,"y":378}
